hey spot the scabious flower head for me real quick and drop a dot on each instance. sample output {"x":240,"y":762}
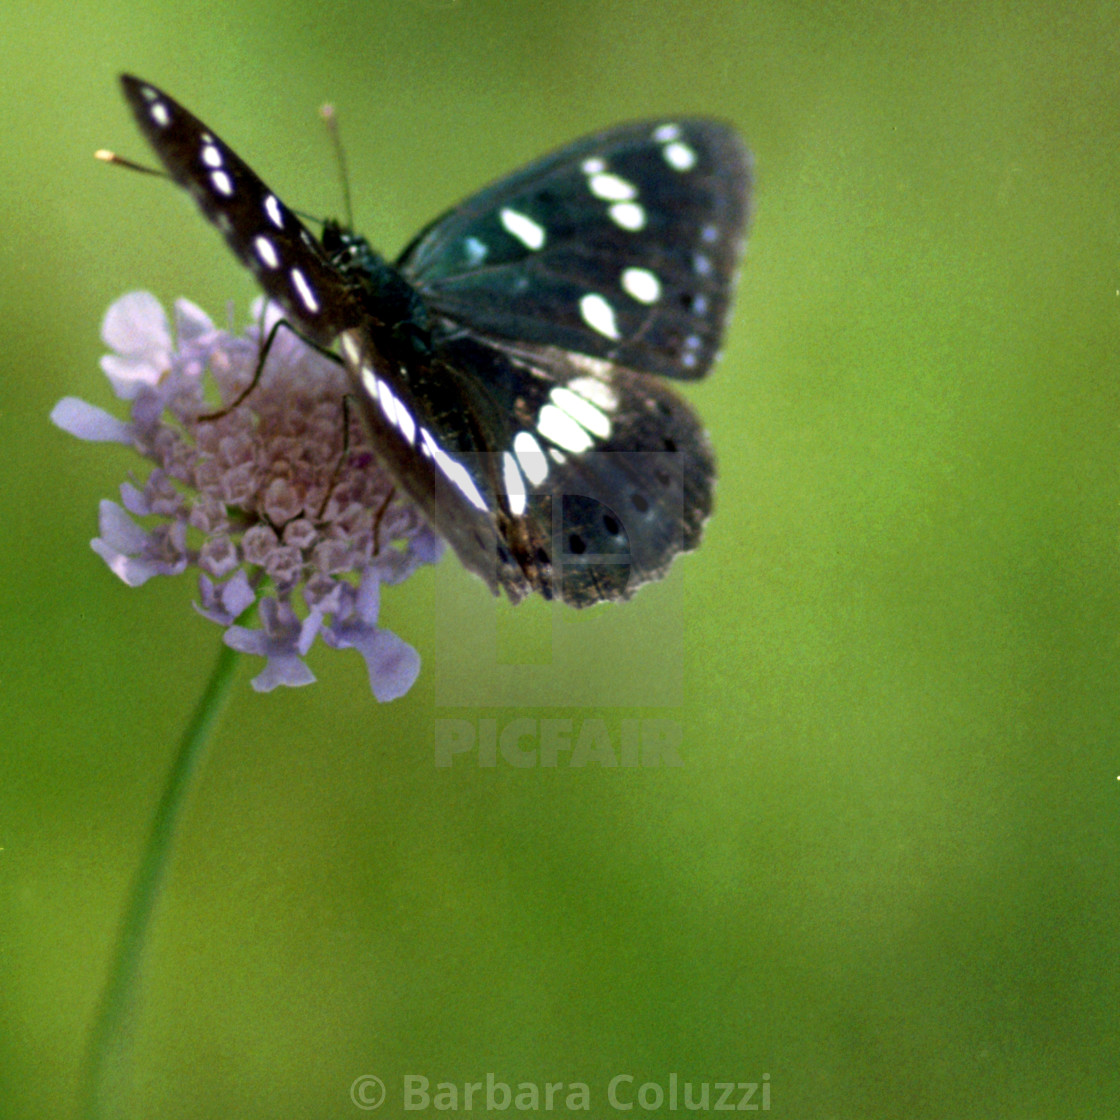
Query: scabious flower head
{"x":269,"y":502}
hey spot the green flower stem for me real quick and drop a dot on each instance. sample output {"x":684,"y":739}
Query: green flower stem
{"x":107,"y":1083}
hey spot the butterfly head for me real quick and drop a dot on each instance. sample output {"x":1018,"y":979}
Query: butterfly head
{"x":346,"y":249}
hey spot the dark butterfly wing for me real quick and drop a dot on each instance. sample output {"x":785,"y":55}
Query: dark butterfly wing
{"x":264,"y":234}
{"x":622,"y":246}
{"x":561,"y":289}
{"x":602,"y":477}
{"x":546,"y":472}
{"x":508,"y":390}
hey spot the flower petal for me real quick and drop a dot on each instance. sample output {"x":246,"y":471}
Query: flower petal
{"x":224,"y":602}
{"x":136,"y":326}
{"x":127,"y":376}
{"x":278,"y":642}
{"x":135,"y":571}
{"x":312,"y":624}
{"x":237,"y":594}
{"x":191,"y":322}
{"x":118,"y":529}
{"x":427,"y":545}
{"x":368,"y":604}
{"x":87,"y":421}
{"x":134,"y":500}
{"x":392,"y":663}
{"x":133,"y":554}
{"x":286,"y":670}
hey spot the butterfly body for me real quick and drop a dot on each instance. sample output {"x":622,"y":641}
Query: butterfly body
{"x":511,"y":363}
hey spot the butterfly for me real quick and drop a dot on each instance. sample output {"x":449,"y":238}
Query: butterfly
{"x":512,"y":363}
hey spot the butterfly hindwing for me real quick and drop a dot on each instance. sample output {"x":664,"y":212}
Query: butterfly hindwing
{"x":603,"y":476}
{"x":551,"y":473}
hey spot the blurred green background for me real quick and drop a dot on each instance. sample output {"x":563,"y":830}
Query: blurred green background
{"x":887,"y":874}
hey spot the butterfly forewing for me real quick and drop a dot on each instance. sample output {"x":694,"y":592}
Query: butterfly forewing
{"x":266,"y":236}
{"x":622,"y":246}
{"x":506,"y":366}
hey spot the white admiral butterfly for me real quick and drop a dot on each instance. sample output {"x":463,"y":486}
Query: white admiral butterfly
{"x":510,"y":363}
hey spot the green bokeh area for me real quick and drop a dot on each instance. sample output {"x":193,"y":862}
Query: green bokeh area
{"x":887,"y":873}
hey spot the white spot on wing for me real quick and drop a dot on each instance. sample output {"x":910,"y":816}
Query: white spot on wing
{"x":211,"y":156}
{"x":641,"y":284}
{"x":666,"y":132}
{"x":455,"y":472}
{"x":387,"y":401}
{"x":266,"y":251}
{"x":405,"y":424}
{"x":396,"y":412}
{"x":514,"y":484}
{"x":273,"y":210}
{"x":223,"y":184}
{"x":628,"y":215}
{"x":582,"y":411}
{"x":596,"y":367}
{"x":370,"y":381}
{"x":597,"y":392}
{"x":352,"y":352}
{"x":530,"y":457}
{"x":558,"y":427}
{"x":593,"y":166}
{"x":303,"y":290}
{"x":476,"y":251}
{"x":690,"y":355}
{"x":159,"y":113}
{"x":612,"y":188}
{"x":599,"y":315}
{"x":521,"y":226}
{"x":679,"y":156}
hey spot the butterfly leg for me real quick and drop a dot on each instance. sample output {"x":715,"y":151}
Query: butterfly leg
{"x":383,"y":507}
{"x":341,"y":458}
{"x":378,"y":518}
{"x":261,"y":359}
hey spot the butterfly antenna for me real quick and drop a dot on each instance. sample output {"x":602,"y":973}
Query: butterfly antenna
{"x":106,"y":156}
{"x":330,"y":119}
